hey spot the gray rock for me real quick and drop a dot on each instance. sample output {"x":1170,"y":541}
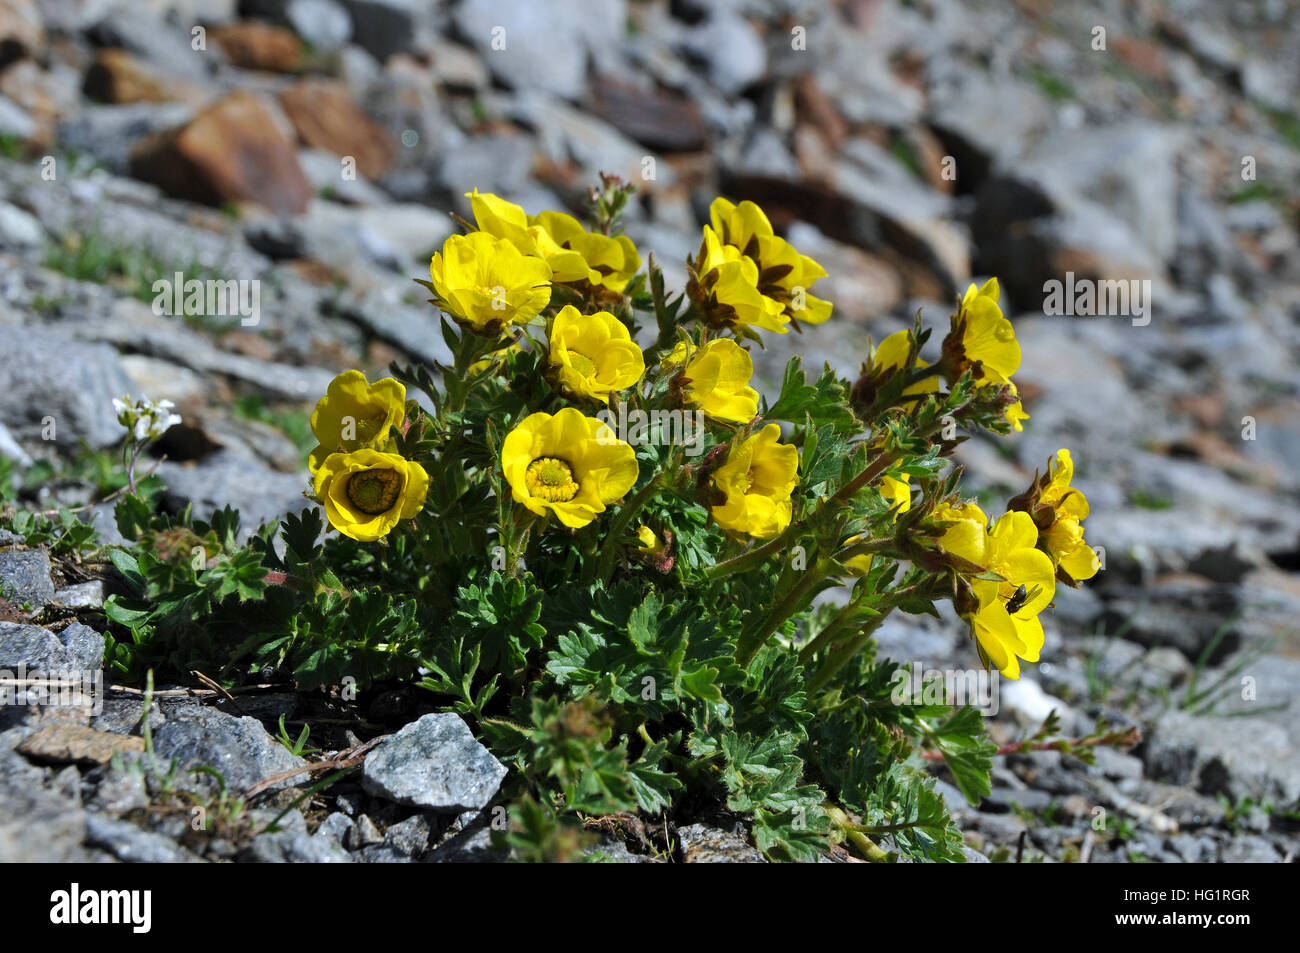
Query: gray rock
{"x":36,"y":825}
{"x":731,"y":50}
{"x":239,"y":748}
{"x":322,"y":23}
{"x":78,"y":399}
{"x":701,"y":844}
{"x":581,"y":28}
{"x":294,"y":847}
{"x":385,"y":27}
{"x":566,"y":134}
{"x":30,"y":645}
{"x":1004,"y":800}
{"x":335,"y":828}
{"x":473,"y":846}
{"x":19,"y":229}
{"x":1179,"y":614}
{"x":110,"y":133}
{"x":14,"y":120}
{"x":225,"y":478}
{"x":119,"y":791}
{"x":973,"y":856}
{"x":1192,"y":848}
{"x":82,"y":595}
{"x":123,"y":716}
{"x":409,"y":837}
{"x":1224,"y":756}
{"x":1249,"y":850}
{"x":25,"y":577}
{"x":84,"y":646}
{"x":434,"y":763}
{"x":133,"y":845}
{"x":10,"y":449}
{"x":499,"y":164}
{"x":363,"y":833}
{"x":381,"y":854}
{"x":611,"y":850}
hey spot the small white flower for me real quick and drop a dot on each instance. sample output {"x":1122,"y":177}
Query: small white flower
{"x":147,"y":420}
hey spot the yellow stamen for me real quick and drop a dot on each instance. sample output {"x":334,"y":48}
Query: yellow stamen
{"x":374,"y":491}
{"x":551,"y":479}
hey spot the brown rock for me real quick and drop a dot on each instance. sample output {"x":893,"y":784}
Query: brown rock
{"x":47,"y":96}
{"x":260,"y":46}
{"x":21,"y":30}
{"x":656,"y":118}
{"x":233,"y":151}
{"x":325,"y":117}
{"x":118,"y":77}
{"x":64,"y":744}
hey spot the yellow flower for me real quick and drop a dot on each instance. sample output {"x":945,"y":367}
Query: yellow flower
{"x":567,"y":464}
{"x":1064,"y":538}
{"x":650,"y":544}
{"x":984,"y":335}
{"x":757,"y":480}
{"x":983,"y":341}
{"x":607,"y":260}
{"x":487,"y":283}
{"x":1004,"y":614}
{"x":784,"y":275}
{"x":594,"y":354}
{"x":355,"y":414}
{"x":967,"y":536}
{"x":891,"y":354}
{"x":724,"y":284}
{"x":366,"y":493}
{"x":716,"y":379}
{"x":573,"y":253}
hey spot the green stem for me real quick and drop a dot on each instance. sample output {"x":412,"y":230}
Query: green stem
{"x":614,"y":541}
{"x":750,"y":643}
{"x":845,"y":652}
{"x":825,"y":636}
{"x":854,"y":834}
{"x":753,"y":557}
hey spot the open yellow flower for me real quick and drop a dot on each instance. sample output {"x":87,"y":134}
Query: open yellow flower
{"x":757,"y":479}
{"x":983,"y":341}
{"x":724,"y":283}
{"x":1004,"y":619}
{"x":487,"y":283}
{"x":367,"y":492}
{"x":1064,"y":537}
{"x":567,"y":464}
{"x":784,"y":275}
{"x":574,"y":254}
{"x":982,"y":335}
{"x":891,"y":354}
{"x":715,"y":378}
{"x":967,"y":536}
{"x":610,"y":261}
{"x":354,"y":414}
{"x":593,"y":354}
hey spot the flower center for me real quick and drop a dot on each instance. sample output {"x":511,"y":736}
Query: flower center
{"x":374,"y":491}
{"x":551,"y":479}
{"x":368,"y":427}
{"x":747,"y":480}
